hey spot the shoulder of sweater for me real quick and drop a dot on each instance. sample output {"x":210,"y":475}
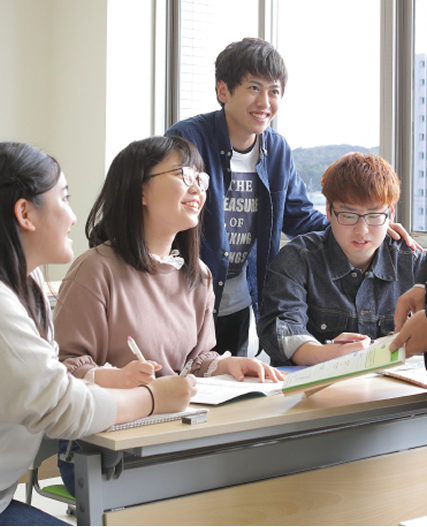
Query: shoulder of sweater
{"x":205,"y":269}
{"x":96,"y":256}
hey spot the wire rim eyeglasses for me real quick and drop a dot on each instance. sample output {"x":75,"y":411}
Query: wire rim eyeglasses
{"x":189,"y":176}
{"x":372,"y":219}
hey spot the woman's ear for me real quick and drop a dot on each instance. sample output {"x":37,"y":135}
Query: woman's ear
{"x":23,"y":212}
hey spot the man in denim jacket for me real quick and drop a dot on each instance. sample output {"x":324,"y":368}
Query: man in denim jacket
{"x":255,"y":192}
{"x":341,"y":284}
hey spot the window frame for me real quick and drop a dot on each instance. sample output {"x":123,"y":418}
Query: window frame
{"x":396,"y":82}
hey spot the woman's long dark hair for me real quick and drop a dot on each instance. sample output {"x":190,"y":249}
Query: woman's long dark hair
{"x":117,"y":216}
{"x":25,"y":172}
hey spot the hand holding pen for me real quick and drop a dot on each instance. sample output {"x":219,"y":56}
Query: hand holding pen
{"x":136,"y":373}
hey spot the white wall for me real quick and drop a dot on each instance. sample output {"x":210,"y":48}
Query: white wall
{"x":53,"y":85}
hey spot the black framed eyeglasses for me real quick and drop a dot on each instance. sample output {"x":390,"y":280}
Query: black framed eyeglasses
{"x":373,"y":219}
{"x":189,"y":176}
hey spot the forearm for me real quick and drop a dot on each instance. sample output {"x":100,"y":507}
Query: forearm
{"x":132,"y":404}
{"x":313,"y":352}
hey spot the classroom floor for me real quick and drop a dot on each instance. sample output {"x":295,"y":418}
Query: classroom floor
{"x":55,"y":508}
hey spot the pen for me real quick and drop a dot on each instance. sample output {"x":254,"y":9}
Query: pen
{"x":344,"y":341}
{"x":132,"y":345}
{"x":187,"y":368}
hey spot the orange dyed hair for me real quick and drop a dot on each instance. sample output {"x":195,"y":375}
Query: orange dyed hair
{"x":358,"y":179}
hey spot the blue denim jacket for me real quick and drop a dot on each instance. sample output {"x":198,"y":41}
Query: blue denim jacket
{"x":313,"y":293}
{"x":283,"y":201}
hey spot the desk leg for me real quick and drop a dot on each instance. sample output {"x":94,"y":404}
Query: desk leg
{"x":89,"y":500}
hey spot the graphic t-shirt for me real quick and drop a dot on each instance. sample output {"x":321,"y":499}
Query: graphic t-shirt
{"x":240,"y":213}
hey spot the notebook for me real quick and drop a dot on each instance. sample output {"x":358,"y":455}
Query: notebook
{"x":159,"y":418}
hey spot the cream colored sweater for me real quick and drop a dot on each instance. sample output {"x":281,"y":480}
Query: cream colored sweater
{"x":37,"y":394}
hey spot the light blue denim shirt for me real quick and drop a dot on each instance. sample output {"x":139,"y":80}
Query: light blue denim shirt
{"x":313,"y":293}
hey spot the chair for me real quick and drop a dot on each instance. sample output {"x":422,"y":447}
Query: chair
{"x":48,"y":448}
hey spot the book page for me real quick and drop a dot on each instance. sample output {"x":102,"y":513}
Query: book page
{"x":375,"y":357}
{"x":413,"y":371}
{"x":220,"y":388}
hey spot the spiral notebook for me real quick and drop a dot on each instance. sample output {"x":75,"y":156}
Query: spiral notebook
{"x":159,"y":418}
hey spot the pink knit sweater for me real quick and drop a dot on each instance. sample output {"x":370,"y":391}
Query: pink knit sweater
{"x":102,"y":300}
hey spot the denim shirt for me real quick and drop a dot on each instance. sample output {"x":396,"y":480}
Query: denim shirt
{"x":283,"y":202}
{"x":313,"y":293}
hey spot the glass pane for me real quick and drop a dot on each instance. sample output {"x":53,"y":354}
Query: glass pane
{"x":207,"y":27}
{"x":419,"y":162}
{"x":331,"y":104}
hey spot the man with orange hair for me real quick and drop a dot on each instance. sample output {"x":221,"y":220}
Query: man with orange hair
{"x":329,"y":293}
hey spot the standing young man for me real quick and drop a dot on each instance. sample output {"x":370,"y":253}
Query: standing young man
{"x":255,"y":191}
{"x":342,"y":283}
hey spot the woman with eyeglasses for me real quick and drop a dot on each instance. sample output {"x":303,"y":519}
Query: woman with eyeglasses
{"x":142,"y":276}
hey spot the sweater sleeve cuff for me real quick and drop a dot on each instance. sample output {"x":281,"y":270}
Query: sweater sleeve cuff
{"x":106,"y":409}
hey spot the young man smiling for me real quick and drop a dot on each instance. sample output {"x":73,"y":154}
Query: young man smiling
{"x":342,"y":283}
{"x":255,"y":191}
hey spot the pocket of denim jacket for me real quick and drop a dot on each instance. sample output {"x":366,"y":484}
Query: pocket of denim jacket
{"x":327,"y":324}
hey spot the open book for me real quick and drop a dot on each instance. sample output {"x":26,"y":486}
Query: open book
{"x":221,"y":388}
{"x":374,"y":358}
{"x":413,"y":371}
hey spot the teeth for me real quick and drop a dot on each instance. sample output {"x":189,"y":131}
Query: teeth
{"x":193,"y":204}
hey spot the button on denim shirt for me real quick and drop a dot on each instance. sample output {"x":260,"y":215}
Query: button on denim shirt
{"x":313,"y":293}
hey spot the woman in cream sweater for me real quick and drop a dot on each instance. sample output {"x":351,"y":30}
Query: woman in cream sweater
{"x":38,"y":395}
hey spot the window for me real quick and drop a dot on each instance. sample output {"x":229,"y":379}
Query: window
{"x":207,"y":27}
{"x":328,"y":101}
{"x":331,"y":104}
{"x":420,"y":93}
{"x":421,"y":173}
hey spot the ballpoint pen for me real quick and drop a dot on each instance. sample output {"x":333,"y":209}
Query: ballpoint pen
{"x":187,"y":368}
{"x":132,"y":345}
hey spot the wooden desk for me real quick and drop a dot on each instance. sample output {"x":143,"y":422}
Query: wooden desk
{"x":246,"y":444}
